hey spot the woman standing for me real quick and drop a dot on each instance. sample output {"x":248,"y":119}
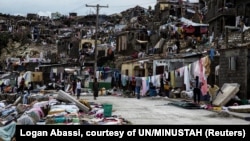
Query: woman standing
{"x":95,"y":88}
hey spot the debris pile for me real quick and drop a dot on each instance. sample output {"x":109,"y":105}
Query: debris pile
{"x":58,"y":108}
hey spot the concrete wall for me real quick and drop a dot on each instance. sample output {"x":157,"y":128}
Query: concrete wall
{"x":248,"y":76}
{"x":161,"y":62}
{"x":132,"y":71}
{"x":239,"y":75}
{"x":218,"y":18}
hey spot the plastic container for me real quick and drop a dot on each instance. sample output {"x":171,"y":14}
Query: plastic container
{"x":107,"y":110}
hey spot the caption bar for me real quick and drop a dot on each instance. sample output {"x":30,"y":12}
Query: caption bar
{"x":122,"y":132}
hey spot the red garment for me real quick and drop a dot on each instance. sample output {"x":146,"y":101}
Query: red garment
{"x":133,"y":81}
{"x":189,"y":29}
{"x":135,"y":55}
{"x":22,"y":82}
{"x":204,"y":88}
{"x":110,"y":51}
{"x":203,"y":30}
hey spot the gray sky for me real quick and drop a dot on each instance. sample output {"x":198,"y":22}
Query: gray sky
{"x":45,"y":7}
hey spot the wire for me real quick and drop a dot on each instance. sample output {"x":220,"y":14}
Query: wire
{"x":77,"y":8}
{"x":134,"y":4}
{"x":80,"y":7}
{"x":112,"y":7}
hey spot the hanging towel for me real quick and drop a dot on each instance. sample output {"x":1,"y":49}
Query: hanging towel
{"x":172,"y":78}
{"x":187,"y":78}
{"x":144,"y":86}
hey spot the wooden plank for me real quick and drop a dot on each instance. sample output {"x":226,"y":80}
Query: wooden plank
{"x":18,"y":100}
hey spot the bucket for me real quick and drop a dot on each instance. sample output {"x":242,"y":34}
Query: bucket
{"x":107,"y":110}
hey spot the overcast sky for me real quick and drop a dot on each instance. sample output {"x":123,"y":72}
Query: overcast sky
{"x":45,"y":7}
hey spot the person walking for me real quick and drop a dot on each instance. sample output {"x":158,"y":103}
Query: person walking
{"x":132,"y":85}
{"x":78,"y":88}
{"x":138,"y":86}
{"x":196,"y":84}
{"x":95,"y":88}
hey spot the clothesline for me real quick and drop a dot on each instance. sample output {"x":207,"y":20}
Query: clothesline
{"x":188,"y":72}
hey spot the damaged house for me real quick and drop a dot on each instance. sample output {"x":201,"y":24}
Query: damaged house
{"x":223,"y":13}
{"x":229,"y":24}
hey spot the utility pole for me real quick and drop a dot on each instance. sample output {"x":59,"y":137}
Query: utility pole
{"x":96,"y":31}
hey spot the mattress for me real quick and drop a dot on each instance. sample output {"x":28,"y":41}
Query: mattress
{"x":240,"y":108}
{"x":229,"y":91}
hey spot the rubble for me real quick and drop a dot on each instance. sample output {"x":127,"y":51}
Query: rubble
{"x":52,"y":109}
{"x":57,"y":45}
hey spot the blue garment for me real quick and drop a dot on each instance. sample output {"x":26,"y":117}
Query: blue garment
{"x":8,"y":111}
{"x":105,"y":75}
{"x":212,"y":53}
{"x":152,"y":92}
{"x":8,"y":131}
{"x":147,"y":81}
{"x":25,"y":98}
{"x":116,"y":76}
{"x":78,"y":92}
{"x":138,"y":91}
